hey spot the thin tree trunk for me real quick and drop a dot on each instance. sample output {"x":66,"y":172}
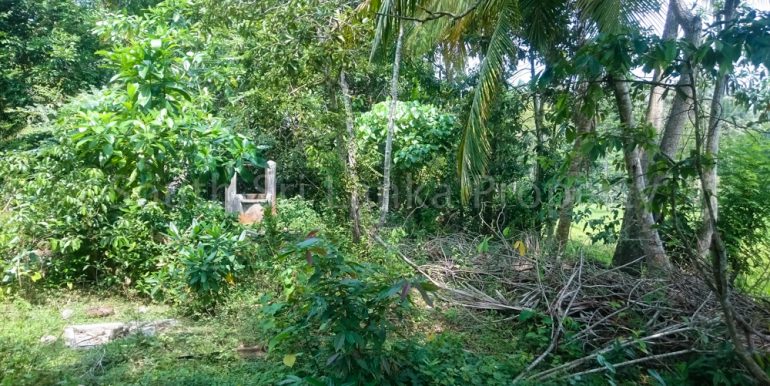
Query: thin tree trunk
{"x":712,"y":148}
{"x":655,"y":103}
{"x":355,"y":211}
{"x":583,"y":126}
{"x":391,"y":128}
{"x":719,"y":261}
{"x":538,"y":193}
{"x":652,"y":245}
{"x":681,"y":105}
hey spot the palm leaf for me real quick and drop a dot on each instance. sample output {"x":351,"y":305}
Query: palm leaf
{"x":447,"y":36}
{"x":611,"y":15}
{"x":544,"y":22}
{"x":448,"y":32}
{"x":387,"y":13}
{"x":474,"y":145}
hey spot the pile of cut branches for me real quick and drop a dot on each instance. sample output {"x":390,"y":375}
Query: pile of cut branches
{"x":656,"y":317}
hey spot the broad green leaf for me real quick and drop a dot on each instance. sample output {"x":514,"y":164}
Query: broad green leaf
{"x":131,"y":90}
{"x":145,"y":95}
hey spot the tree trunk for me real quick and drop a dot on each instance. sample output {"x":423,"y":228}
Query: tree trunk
{"x":681,"y":106}
{"x":355,"y":210}
{"x":583,"y":126}
{"x":712,"y":149}
{"x":655,"y":103}
{"x":719,"y":261}
{"x":628,"y":251}
{"x":391,"y":128}
{"x":538,"y":191}
{"x":629,"y":248}
{"x":652,"y":245}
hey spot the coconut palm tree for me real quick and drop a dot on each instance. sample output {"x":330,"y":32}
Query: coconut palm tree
{"x":506,"y":26}
{"x":539,"y":25}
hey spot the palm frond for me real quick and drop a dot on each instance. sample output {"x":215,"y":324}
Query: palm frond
{"x":544,"y":22}
{"x":388,"y":14}
{"x":611,"y":15}
{"x":474,"y":145}
{"x":424,"y":37}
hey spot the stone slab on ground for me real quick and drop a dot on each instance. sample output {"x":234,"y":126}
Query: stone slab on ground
{"x":90,"y":335}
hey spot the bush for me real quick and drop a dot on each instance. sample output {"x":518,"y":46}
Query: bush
{"x":297,"y":216}
{"x":744,"y":215}
{"x":68,"y":224}
{"x":339,"y":317}
{"x":91,"y":206}
{"x":443,"y":360}
{"x":209,"y":254}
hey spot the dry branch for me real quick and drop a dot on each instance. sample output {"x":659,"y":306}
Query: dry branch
{"x":672,"y":314}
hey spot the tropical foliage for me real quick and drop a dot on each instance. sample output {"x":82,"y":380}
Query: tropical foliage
{"x":468,"y":192}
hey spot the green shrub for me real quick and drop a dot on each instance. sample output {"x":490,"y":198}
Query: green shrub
{"x":340,"y":318}
{"x":744,"y":214}
{"x":423,"y":167}
{"x":209,"y":254}
{"x":422,"y":133}
{"x":444,"y":360}
{"x":297,"y":216}
{"x":69,"y":224}
{"x":134,"y":243}
{"x":90,"y":206}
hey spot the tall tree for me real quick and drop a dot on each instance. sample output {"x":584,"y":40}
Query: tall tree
{"x":502,"y":23}
{"x":681,"y":105}
{"x":655,"y":114}
{"x":721,"y":283}
{"x":712,"y":143}
{"x":538,"y":174}
{"x":355,"y":208}
{"x":629,"y":248}
{"x":47,"y":52}
{"x":652,"y":246}
{"x":584,"y":125}
{"x":391,"y":127}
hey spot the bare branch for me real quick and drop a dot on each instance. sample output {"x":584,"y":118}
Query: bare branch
{"x":434,"y":15}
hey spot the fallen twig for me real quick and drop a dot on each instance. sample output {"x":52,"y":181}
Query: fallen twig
{"x":635,"y":361}
{"x":558,"y":315}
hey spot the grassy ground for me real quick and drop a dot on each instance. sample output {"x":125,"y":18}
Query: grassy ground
{"x":202,"y":350}
{"x":199,"y":351}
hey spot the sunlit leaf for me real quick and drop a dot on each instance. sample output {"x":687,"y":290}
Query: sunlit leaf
{"x":289,"y":359}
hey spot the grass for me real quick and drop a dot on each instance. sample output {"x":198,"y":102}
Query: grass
{"x":197,"y":352}
{"x":202,"y":350}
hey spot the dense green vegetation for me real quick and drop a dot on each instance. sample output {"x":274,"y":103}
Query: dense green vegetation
{"x":575,"y":191}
